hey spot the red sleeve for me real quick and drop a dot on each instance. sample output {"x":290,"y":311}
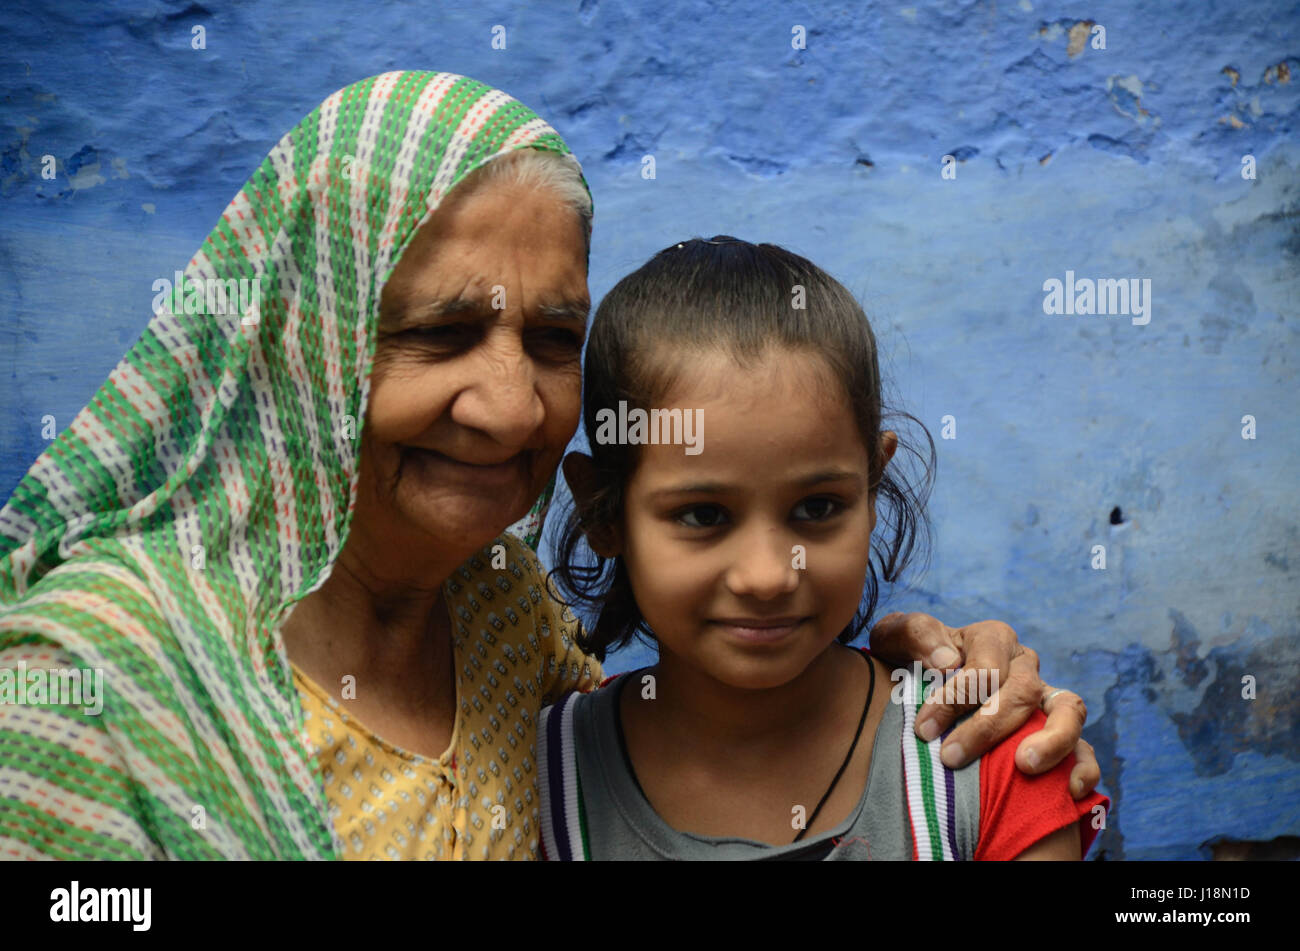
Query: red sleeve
{"x":1017,"y":810}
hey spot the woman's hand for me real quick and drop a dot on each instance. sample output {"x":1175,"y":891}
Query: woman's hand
{"x":902,"y":639}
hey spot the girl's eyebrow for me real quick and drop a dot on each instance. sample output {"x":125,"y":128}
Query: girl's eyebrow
{"x":718,"y":488}
{"x":832,"y":475}
{"x":695,"y":488}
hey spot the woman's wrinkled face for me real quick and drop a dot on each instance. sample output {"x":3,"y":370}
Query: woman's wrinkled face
{"x":477,"y":378}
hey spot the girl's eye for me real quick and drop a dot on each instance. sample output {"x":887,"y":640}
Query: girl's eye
{"x":819,"y":509}
{"x":701,"y":516}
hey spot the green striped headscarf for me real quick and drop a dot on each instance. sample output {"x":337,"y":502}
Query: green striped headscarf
{"x":208,"y":485}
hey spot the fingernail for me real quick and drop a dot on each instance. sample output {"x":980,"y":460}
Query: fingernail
{"x":1032,"y":758}
{"x":929,"y":730}
{"x":953,"y":756}
{"x":943,"y":657}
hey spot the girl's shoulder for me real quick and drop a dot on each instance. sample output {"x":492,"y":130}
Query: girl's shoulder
{"x":1018,"y":810}
{"x":1015,"y":810}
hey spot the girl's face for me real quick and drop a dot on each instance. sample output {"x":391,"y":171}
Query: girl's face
{"x":749,"y":558}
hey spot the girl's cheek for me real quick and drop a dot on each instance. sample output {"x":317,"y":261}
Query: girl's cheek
{"x":667,"y":571}
{"x":841,"y":563}
{"x":661,"y":565}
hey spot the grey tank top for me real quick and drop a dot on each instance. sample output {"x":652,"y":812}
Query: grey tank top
{"x":622,"y":825}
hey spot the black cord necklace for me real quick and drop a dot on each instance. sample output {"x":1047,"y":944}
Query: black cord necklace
{"x":843,"y":766}
{"x":631,"y":771}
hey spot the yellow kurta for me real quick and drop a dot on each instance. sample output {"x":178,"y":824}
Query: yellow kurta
{"x":514,"y":652}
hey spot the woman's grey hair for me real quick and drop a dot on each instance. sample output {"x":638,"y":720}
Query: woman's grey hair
{"x":543,"y":170}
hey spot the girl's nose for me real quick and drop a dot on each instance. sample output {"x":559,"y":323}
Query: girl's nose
{"x":764,"y":568}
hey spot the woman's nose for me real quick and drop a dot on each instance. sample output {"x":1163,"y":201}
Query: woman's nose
{"x":764,"y":566}
{"x":502,"y":400}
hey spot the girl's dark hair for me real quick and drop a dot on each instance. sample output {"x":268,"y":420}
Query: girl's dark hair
{"x":741,"y":298}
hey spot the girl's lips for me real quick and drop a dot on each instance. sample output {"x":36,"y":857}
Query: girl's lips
{"x":757,"y":631}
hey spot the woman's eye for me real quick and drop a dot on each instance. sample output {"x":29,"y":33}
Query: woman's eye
{"x":442,"y":333}
{"x":818,"y":509}
{"x":701,"y":516}
{"x":555,"y":339}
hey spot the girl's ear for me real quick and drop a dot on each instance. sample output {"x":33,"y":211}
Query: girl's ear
{"x":580,"y":473}
{"x":888,"y":445}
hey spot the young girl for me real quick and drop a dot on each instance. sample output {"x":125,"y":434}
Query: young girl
{"x":733,"y":410}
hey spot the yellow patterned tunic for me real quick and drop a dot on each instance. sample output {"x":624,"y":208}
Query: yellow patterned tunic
{"x":515,"y":652}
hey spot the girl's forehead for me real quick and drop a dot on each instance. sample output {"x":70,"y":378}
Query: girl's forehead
{"x":772,"y":419}
{"x":716,"y":376}
{"x":749,"y":453}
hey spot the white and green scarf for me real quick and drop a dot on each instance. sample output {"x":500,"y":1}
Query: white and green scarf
{"x":208,"y":486}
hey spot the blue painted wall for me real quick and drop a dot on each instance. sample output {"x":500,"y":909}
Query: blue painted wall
{"x":1119,"y":162}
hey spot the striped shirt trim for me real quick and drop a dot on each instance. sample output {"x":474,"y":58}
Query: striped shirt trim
{"x":564,"y":821}
{"x":931,"y":789}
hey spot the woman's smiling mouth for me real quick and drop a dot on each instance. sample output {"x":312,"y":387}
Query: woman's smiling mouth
{"x":479,"y":473}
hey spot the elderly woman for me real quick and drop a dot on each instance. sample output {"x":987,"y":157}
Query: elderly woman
{"x":286,"y":534}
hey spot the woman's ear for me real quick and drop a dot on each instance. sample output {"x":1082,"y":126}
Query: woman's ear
{"x":580,"y":474}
